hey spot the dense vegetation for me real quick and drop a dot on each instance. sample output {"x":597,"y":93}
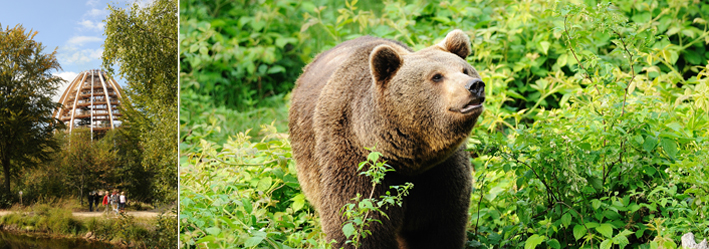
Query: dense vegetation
{"x":55,"y":218}
{"x":594,"y":135}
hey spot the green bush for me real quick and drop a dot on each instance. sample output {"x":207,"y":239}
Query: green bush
{"x":243,"y":195}
{"x":61,"y":221}
{"x":237,"y":52}
{"x":164,"y":235}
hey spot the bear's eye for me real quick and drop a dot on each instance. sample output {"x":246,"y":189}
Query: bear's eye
{"x":437,"y":78}
{"x":465,"y":71}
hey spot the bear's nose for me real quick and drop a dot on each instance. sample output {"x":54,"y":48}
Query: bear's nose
{"x":476,"y":87}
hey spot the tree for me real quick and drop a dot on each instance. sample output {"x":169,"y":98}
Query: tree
{"x":88,"y":164}
{"x":26,"y":87}
{"x":143,"y":41}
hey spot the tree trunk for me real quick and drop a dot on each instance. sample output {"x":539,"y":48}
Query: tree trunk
{"x":81,"y":189}
{"x":6,"y":169}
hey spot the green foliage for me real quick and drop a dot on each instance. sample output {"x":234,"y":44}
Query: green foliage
{"x":56,"y":218}
{"x":143,"y":41}
{"x":164,"y":234}
{"x":620,"y":156}
{"x":85,"y":162}
{"x":200,"y":119}
{"x":594,"y":134}
{"x":26,"y":89}
{"x":237,"y":52}
{"x":357,"y":212}
{"x":243,"y":195}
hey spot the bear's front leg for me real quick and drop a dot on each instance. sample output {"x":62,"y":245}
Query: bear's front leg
{"x":340,"y":185}
{"x":437,"y":206}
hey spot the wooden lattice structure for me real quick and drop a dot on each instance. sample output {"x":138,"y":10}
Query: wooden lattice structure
{"x":91,"y":101}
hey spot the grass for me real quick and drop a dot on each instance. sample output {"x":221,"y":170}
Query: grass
{"x":56,"y":219}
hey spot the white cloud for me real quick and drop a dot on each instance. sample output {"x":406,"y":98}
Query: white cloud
{"x":81,"y":40}
{"x":88,"y":24}
{"x":68,"y":76}
{"x":96,"y":13}
{"x":92,"y":2}
{"x":143,"y":3}
{"x":72,"y":55}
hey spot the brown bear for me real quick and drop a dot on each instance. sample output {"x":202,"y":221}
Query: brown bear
{"x":417,"y":108}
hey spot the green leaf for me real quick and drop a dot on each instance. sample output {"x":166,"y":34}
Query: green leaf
{"x":545,"y":46}
{"x":253,"y":241}
{"x":561,"y":61}
{"x":595,"y":203}
{"x":247,"y":205}
{"x":639,"y":139}
{"x":348,"y":230}
{"x":675,"y":126}
{"x":621,"y":239}
{"x":373,"y":156}
{"x":579,"y":231}
{"x":596,"y":182}
{"x":194,"y":48}
{"x":533,"y":241}
{"x":611,"y":215}
{"x":208,"y":238}
{"x":649,"y":144}
{"x":670,"y":147}
{"x":606,"y":244}
{"x":606,"y":229}
{"x":566,"y":219}
{"x":264,"y":184}
{"x":298,"y":202}
{"x":553,"y":243}
{"x":213,"y":230}
{"x":669,"y":244}
{"x":276,"y":69}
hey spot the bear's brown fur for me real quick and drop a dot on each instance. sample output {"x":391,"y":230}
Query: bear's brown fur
{"x":415,"y":108}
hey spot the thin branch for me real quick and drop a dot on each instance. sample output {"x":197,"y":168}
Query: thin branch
{"x":580,"y":216}
{"x":619,"y":161}
{"x":549,"y":189}
{"x":568,"y":40}
{"x":477,"y":221}
{"x":632,"y":69}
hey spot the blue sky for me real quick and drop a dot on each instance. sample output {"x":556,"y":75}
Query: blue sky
{"x":73,"y":27}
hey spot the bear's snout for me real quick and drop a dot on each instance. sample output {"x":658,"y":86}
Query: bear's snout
{"x":477,"y":88}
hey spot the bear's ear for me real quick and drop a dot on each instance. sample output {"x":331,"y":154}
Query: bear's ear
{"x":384,"y":61}
{"x":457,"y":42}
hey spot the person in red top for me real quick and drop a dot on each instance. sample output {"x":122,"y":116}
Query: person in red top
{"x":105,"y":202}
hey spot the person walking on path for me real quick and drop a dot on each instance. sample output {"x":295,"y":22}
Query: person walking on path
{"x":91,"y":201}
{"x":122,"y":202}
{"x":105,"y":202}
{"x":97,"y":199}
{"x":114,"y":201}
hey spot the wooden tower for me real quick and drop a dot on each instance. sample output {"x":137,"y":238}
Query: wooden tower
{"x":91,"y":101}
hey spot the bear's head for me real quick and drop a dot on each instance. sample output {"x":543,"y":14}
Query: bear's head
{"x":432,"y":98}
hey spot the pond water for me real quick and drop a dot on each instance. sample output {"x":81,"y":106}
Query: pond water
{"x":14,"y":241}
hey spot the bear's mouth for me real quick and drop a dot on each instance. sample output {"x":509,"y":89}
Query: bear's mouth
{"x":474,"y":105}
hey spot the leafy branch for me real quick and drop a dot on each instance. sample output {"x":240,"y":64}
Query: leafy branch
{"x":358,"y":212}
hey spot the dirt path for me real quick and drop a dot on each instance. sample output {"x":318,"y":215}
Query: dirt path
{"x":137,"y":214}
